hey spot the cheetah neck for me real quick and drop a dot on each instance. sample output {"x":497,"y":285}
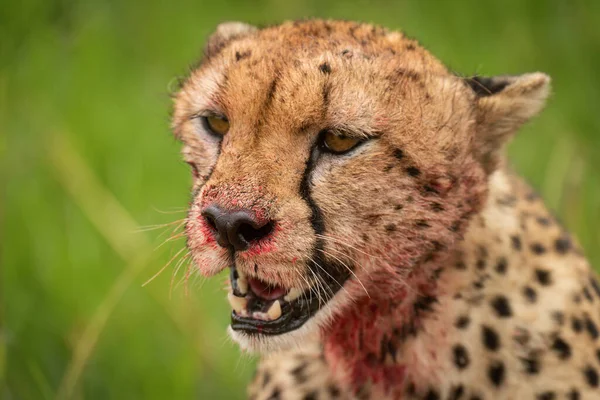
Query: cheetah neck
{"x":391,"y":341}
{"x":366,"y":341}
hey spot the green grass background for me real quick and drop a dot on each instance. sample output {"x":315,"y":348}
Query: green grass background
{"x":87,"y":158}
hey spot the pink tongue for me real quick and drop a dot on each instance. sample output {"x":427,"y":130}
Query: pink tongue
{"x":264,"y":290}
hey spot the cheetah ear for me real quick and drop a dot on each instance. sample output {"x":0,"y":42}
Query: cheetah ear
{"x":224,"y":33}
{"x":503,"y":104}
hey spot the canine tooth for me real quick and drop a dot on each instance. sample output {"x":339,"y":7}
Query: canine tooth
{"x":293,"y":294}
{"x":237,"y":303}
{"x":242,"y":284}
{"x":275,"y":310}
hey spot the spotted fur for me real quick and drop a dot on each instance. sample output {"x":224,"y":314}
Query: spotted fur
{"x":459,"y":284}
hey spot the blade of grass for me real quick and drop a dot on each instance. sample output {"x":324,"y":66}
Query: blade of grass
{"x":117,"y":227}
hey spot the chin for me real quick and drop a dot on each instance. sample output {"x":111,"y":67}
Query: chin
{"x":268,"y":319}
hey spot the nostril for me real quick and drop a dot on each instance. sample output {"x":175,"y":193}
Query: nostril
{"x":250,"y":233}
{"x":210,"y":221}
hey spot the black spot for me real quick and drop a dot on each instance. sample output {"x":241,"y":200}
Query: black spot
{"x":546,"y":396}
{"x":299,"y":373}
{"x":530,"y":294}
{"x":502,"y":306}
{"x":456,"y":392}
{"x":430,"y":189}
{"x":410,"y":47}
{"x":325,"y":95}
{"x":598,"y":354}
{"x":462,"y":322}
{"x":390,"y":227}
{"x":271,"y":92}
{"x":455,"y":226}
{"x":240,"y":56}
{"x":460,"y":265}
{"x":411,"y":389}
{"x":501,"y":265}
{"x":595,"y":285}
{"x":516,"y":242}
{"x":310,"y":396}
{"x":587,"y":294}
{"x":559,"y":317}
{"x":460,"y":356}
{"x":577,"y":325}
{"x":532,"y":365}
{"x":334,"y":391}
{"x":543,"y":276}
{"x":424,"y":303}
{"x":432,"y":395}
{"x":532,"y":196}
{"x":562,"y":245}
{"x":573,"y":395}
{"x":413,"y":171}
{"x":405,"y":73}
{"x":399,"y":154}
{"x":275,"y":394}
{"x":398,"y":207}
{"x":496,"y":372}
{"x":266,"y":378}
{"x":422,"y":224}
{"x":371,"y":359}
{"x":325,"y":68}
{"x":389,"y":346}
{"x":537,"y":248}
{"x":437,"y":207}
{"x":480,"y":264}
{"x":590,"y":326}
{"x":543,"y":221}
{"x":490,"y":338}
{"x":562,"y":348}
{"x":591,"y":376}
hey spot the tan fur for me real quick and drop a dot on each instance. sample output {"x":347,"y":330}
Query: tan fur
{"x":423,"y":211}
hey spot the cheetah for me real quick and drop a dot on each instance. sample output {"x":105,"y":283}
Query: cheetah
{"x":377,"y":243}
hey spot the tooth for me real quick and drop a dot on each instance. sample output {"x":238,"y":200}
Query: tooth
{"x":237,"y":303}
{"x":293,"y":294}
{"x":242,"y":285}
{"x":275,"y":310}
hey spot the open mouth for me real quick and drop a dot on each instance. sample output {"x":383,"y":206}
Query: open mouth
{"x":263,"y":308}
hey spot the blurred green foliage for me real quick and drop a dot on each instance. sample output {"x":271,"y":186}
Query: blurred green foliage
{"x":87,"y":158}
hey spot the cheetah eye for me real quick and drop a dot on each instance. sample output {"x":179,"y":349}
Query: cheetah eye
{"x":216,"y":124}
{"x":337,"y":143}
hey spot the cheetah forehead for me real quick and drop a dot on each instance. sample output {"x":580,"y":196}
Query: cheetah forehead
{"x":370,"y":79}
{"x":303,"y":40}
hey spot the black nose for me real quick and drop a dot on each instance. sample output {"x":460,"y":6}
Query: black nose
{"x":235,"y":228}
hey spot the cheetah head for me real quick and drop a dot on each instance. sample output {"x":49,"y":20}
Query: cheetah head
{"x":331,"y":160}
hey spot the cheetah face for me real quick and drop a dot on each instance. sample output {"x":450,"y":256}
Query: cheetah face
{"x":329,"y":160}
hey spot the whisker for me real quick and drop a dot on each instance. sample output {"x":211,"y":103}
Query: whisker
{"x":351,"y":258}
{"x":185,"y":258}
{"x":163,"y":268}
{"x":328,"y":274}
{"x":170,"y":239}
{"x":349,"y":270}
{"x":174,"y":210}
{"x":310,"y":289}
{"x":345,"y":244}
{"x":147,"y":228}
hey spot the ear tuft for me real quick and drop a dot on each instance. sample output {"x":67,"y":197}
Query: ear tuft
{"x":503,"y":104}
{"x":226,"y":32}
